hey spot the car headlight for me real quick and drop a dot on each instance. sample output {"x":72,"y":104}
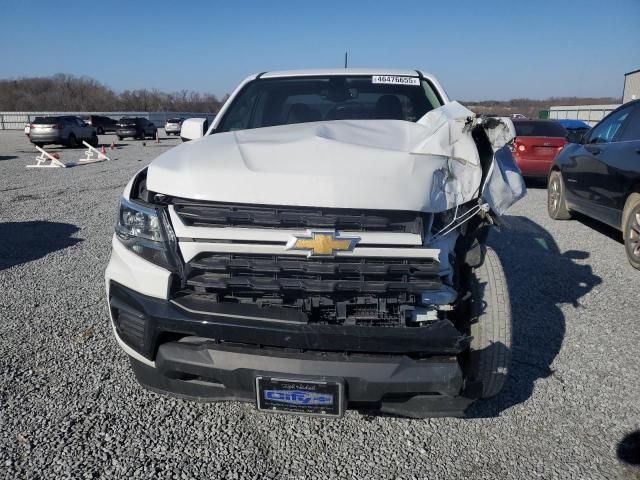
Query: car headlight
{"x":146,"y":231}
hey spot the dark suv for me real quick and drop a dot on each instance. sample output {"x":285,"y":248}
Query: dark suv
{"x":101,"y":123}
{"x":135,"y":127}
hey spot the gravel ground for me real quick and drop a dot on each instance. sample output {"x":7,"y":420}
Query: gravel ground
{"x":70,"y":407}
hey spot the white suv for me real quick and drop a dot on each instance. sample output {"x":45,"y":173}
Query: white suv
{"x":321,"y":247}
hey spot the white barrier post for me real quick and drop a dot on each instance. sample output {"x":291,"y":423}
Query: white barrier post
{"x":44,"y":157}
{"x":90,"y":158}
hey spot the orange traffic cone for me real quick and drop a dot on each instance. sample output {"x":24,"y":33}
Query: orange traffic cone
{"x":112,"y":146}
{"x":103,"y":150}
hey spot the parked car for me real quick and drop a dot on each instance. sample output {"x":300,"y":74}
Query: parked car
{"x":173,"y":126}
{"x":101,"y":123}
{"x":63,"y":130}
{"x":575,"y":129}
{"x":135,"y":127}
{"x":536,"y":144}
{"x":323,"y":251}
{"x":600,"y":177}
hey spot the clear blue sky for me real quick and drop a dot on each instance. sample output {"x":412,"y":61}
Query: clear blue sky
{"x":479,"y":50}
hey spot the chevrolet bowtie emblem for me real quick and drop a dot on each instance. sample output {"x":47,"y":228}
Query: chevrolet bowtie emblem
{"x":322,"y":243}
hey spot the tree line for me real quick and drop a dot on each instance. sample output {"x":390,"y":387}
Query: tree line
{"x":530,"y":108}
{"x":69,"y":93}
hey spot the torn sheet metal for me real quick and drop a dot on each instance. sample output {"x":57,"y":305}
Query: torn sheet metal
{"x":431,"y":165}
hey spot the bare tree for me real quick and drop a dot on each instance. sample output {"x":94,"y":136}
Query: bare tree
{"x":62,"y":92}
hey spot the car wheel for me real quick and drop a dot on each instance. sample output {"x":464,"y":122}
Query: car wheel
{"x":631,"y":229}
{"x":119,"y":138}
{"x":93,"y":141}
{"x":72,"y":141}
{"x":490,"y":353}
{"x":556,"y":203}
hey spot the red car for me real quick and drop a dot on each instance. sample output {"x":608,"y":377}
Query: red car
{"x":536,"y":145}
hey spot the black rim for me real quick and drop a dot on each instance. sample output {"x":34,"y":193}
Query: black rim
{"x":554,"y":193}
{"x":633,"y":233}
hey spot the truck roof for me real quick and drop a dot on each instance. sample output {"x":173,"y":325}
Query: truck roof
{"x":340,"y":71}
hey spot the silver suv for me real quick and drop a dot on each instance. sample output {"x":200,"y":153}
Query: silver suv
{"x":63,"y":130}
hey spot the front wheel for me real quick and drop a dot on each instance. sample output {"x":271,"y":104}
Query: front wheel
{"x":72,"y":142}
{"x":491,"y":330}
{"x":556,"y":202}
{"x":631,"y":229}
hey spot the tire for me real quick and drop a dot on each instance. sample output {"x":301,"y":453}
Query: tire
{"x":556,"y":202}
{"x":631,"y":229}
{"x":490,"y":353}
{"x":93,"y":141}
{"x":119,"y":138}
{"x":72,"y":141}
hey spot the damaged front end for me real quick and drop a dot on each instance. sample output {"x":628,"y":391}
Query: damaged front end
{"x":343,"y":249}
{"x":408,"y":268}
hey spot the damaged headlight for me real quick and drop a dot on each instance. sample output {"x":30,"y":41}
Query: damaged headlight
{"x":146,"y":232}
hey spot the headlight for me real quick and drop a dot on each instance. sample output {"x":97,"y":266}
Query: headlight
{"x":146,"y":232}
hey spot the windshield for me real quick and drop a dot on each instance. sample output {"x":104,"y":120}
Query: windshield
{"x":46,"y":120}
{"x":532,"y":128}
{"x":283,"y":101}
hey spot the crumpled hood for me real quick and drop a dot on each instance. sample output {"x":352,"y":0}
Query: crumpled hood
{"x":430,"y":166}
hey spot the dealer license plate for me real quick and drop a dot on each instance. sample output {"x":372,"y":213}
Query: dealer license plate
{"x":302,"y":397}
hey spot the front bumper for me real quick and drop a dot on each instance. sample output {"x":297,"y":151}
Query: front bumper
{"x":217,"y":356}
{"x":212,"y":372}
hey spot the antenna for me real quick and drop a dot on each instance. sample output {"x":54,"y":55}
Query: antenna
{"x":345,"y":59}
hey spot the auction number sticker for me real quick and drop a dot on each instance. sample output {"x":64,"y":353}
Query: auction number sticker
{"x":395,"y":80}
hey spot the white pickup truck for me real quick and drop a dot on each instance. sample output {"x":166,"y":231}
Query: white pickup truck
{"x":321,"y":246}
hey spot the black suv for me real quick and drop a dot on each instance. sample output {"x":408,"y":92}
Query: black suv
{"x":135,"y":127}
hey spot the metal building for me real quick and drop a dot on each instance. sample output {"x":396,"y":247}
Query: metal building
{"x":631,"y":86}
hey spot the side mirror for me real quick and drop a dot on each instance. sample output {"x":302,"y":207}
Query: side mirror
{"x":193,"y":128}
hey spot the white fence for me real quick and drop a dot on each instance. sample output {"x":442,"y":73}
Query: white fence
{"x":590,"y":114}
{"x":17,"y":120}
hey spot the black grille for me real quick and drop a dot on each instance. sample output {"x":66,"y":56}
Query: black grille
{"x":195,"y":213}
{"x":242,"y":274}
{"x":340,"y":290}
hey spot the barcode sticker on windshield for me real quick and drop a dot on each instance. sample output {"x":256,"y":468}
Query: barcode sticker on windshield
{"x":395,"y":80}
